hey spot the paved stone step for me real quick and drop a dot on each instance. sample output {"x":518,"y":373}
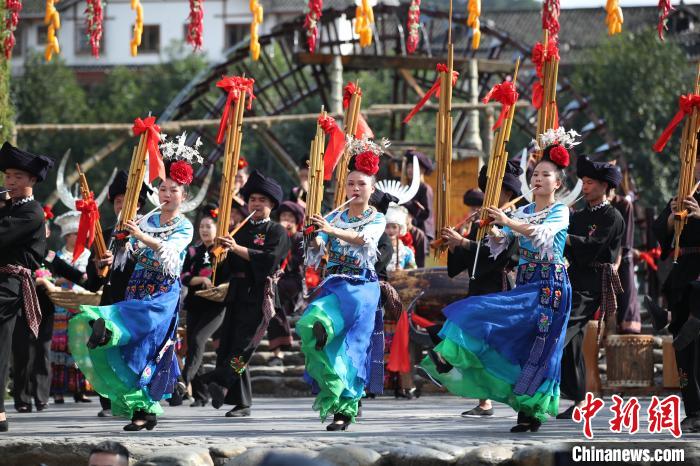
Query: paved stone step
{"x":276,"y":371}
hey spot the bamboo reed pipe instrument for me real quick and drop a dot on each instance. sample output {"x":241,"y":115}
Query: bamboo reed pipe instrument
{"x":443,"y":143}
{"x":686,"y":181}
{"x":100,"y":245}
{"x":314,"y":198}
{"x":352,"y":117}
{"x":496,"y":170}
{"x":137,"y":169}
{"x":547,"y":114}
{"x":231,"y":128}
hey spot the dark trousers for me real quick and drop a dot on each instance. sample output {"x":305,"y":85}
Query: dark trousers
{"x":241,"y":321}
{"x":687,"y":359}
{"x":31,"y":368}
{"x":201,"y":325}
{"x":573,"y":368}
{"x":6,"y":330}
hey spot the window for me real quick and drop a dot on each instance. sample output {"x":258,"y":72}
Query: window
{"x":234,"y":34}
{"x":82,"y":41}
{"x":42,"y":33}
{"x":150,"y":39}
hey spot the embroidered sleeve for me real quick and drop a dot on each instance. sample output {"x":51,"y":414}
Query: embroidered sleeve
{"x":500,"y":241}
{"x":370,"y":234}
{"x":170,"y":252}
{"x":313,"y":256}
{"x":544,"y":233}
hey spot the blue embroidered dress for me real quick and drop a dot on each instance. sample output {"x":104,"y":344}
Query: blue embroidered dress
{"x":137,"y":367}
{"x":507,"y":346}
{"x":346,"y":303}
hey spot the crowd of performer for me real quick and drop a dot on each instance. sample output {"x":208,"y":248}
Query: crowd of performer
{"x":544,"y":271}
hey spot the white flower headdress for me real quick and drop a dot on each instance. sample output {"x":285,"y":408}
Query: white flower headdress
{"x":568,"y":139}
{"x":358,"y":146}
{"x":173,"y":150}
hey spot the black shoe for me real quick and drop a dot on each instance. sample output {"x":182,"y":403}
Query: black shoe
{"x":105,"y":413}
{"x":239,"y":411}
{"x":421,"y":371}
{"x":657,"y":314}
{"x":359,"y":409}
{"x":340,"y":422}
{"x":320,"y":335}
{"x":218,"y":394}
{"x":58,"y":401}
{"x":150,"y":423}
{"x":275,"y":361}
{"x":478,"y":411}
{"x":99,"y":335}
{"x":23,"y":408}
{"x":81,"y":398}
{"x":406,"y":393}
{"x":441,"y":365}
{"x":198,"y":403}
{"x":42,"y":406}
{"x":568,"y":414}
{"x":525,"y":424}
{"x":4,"y":426}
{"x":178,"y":395}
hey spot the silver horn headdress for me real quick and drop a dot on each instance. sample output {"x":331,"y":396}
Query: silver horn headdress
{"x":64,"y":192}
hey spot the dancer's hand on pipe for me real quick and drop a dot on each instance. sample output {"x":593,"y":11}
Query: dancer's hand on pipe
{"x":321,"y":224}
{"x":227,"y":242}
{"x":106,"y":260}
{"x":134,"y":230}
{"x":499,"y":217}
{"x":692,"y":205}
{"x":452,"y":237}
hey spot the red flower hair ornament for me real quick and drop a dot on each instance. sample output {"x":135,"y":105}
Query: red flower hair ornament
{"x":560,"y":156}
{"x":181,"y":172}
{"x":365,"y":154}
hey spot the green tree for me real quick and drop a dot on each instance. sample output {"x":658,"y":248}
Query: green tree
{"x":633,"y":81}
{"x":5,"y":104}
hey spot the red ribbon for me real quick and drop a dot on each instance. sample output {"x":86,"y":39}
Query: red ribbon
{"x":89,"y":215}
{"x":421,"y":321}
{"x":650,"y":257}
{"x":506,"y":95}
{"x":236,"y":86}
{"x":348,"y":91}
{"x":156,"y":169}
{"x":363,"y":130}
{"x":335,"y":146}
{"x":539,"y":57}
{"x":399,"y":357}
{"x":686,"y":103}
{"x":441,"y":68}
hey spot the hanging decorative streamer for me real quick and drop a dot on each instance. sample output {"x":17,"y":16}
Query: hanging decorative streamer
{"x":474,"y":10}
{"x":94,"y":17}
{"x":257,"y":10}
{"x":665,"y":9}
{"x":195,"y":25}
{"x":550,"y":18}
{"x":53,"y":22}
{"x":311,"y":22}
{"x":413,"y":26}
{"x":614,"y":17}
{"x":434,"y":90}
{"x":10,"y":21}
{"x":138,"y":27}
{"x":364,"y":18}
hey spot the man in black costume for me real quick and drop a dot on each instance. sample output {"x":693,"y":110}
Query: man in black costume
{"x":592,"y":248}
{"x":421,"y":206}
{"x":682,"y":291}
{"x":254,"y":257}
{"x":22,"y":248}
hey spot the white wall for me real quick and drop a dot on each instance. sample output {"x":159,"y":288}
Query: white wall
{"x":171,"y":15}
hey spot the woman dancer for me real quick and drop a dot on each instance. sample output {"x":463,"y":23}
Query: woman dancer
{"x":340,"y":330}
{"x":129,"y":354}
{"x":507,"y":346}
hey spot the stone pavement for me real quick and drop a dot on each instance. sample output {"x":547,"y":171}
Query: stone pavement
{"x":426,"y":431}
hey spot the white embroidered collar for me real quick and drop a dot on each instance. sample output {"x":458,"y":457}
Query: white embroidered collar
{"x":146,"y":227}
{"x":259,"y":222}
{"x":599,"y":206}
{"x":23,"y":200}
{"x":340,"y":223}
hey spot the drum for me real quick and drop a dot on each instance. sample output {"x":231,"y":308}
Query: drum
{"x":630,"y":360}
{"x":671,"y":379}
{"x":439,"y":289}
